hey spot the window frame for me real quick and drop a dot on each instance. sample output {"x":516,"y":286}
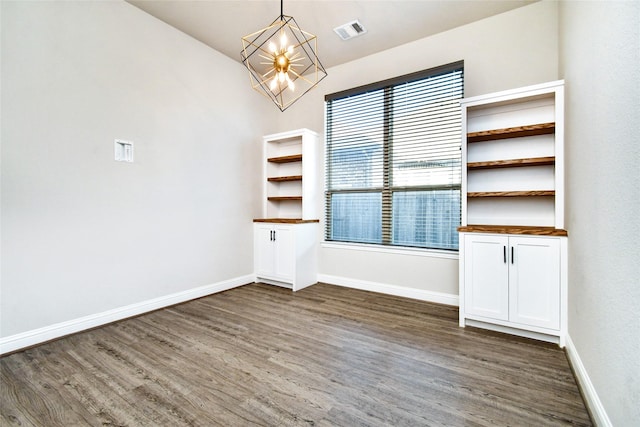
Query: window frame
{"x":387,"y":190}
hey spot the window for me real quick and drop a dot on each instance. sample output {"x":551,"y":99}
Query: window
{"x":393,"y":161}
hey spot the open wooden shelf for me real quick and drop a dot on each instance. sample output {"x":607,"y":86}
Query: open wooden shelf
{"x":514,"y":132}
{"x":496,"y":164}
{"x":513,"y":229}
{"x":285,"y":178}
{"x":286,"y":159}
{"x":284,"y":198}
{"x":534,"y":193}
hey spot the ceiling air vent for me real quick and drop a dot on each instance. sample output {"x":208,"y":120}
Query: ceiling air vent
{"x":350,"y":30}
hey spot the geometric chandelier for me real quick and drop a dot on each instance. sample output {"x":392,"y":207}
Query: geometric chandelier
{"x":282,"y":61}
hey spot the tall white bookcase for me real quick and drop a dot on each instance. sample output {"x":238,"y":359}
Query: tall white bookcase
{"x":286,"y":237}
{"x":513,"y":246}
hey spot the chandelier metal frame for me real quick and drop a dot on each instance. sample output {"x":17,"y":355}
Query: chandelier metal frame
{"x":282,"y":61}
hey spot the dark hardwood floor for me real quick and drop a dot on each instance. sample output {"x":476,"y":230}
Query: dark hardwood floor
{"x":263,"y":356}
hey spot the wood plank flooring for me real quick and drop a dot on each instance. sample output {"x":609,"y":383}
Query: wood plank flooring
{"x":260,"y":355}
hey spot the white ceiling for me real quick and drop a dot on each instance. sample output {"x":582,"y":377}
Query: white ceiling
{"x":221,"y":24}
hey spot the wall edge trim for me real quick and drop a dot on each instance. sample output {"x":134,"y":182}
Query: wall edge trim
{"x":33,"y":337}
{"x":594,"y":405}
{"x":384,"y":288}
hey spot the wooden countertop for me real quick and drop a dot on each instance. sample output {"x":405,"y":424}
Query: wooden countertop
{"x":286,"y":220}
{"x":514,"y":229}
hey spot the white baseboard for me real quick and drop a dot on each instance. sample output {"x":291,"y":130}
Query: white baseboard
{"x":514,"y":331}
{"x":38,"y":336}
{"x":596,"y":410}
{"x":401,"y":291}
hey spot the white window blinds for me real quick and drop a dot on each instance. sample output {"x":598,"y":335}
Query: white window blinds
{"x":393,"y":161}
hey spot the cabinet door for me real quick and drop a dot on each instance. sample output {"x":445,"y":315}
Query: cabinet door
{"x":285,"y":252}
{"x":486,"y":276}
{"x":534,"y":277}
{"x":264,"y":252}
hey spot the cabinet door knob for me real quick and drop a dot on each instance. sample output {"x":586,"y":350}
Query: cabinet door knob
{"x":504,"y":254}
{"x":511,"y":254}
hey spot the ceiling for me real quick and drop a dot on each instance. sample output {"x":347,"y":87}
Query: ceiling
{"x":221,"y":24}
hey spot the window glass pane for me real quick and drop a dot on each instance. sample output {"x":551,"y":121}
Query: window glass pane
{"x":356,"y":142}
{"x":426,"y":218}
{"x":356,"y":217}
{"x":357,"y":165}
{"x":426,"y":132}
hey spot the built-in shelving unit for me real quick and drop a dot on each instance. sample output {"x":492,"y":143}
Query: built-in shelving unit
{"x":286,"y":237}
{"x":514,"y":158}
{"x":513,"y":273}
{"x":290,"y":189}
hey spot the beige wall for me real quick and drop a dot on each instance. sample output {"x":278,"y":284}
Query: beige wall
{"x":83,"y":234}
{"x":510,"y":50}
{"x":600,"y":51}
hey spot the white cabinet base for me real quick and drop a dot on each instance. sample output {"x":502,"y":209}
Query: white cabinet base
{"x":285,"y":253}
{"x":527,"y":333}
{"x":274,"y":283}
{"x":515,"y":284}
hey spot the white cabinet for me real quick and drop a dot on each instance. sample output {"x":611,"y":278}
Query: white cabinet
{"x":534,"y":281}
{"x":285,"y":254}
{"x":514,"y":280}
{"x":486,"y":276}
{"x":274,"y":251}
{"x":513,"y":248}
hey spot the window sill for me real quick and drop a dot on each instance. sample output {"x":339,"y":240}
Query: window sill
{"x":432,"y":253}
